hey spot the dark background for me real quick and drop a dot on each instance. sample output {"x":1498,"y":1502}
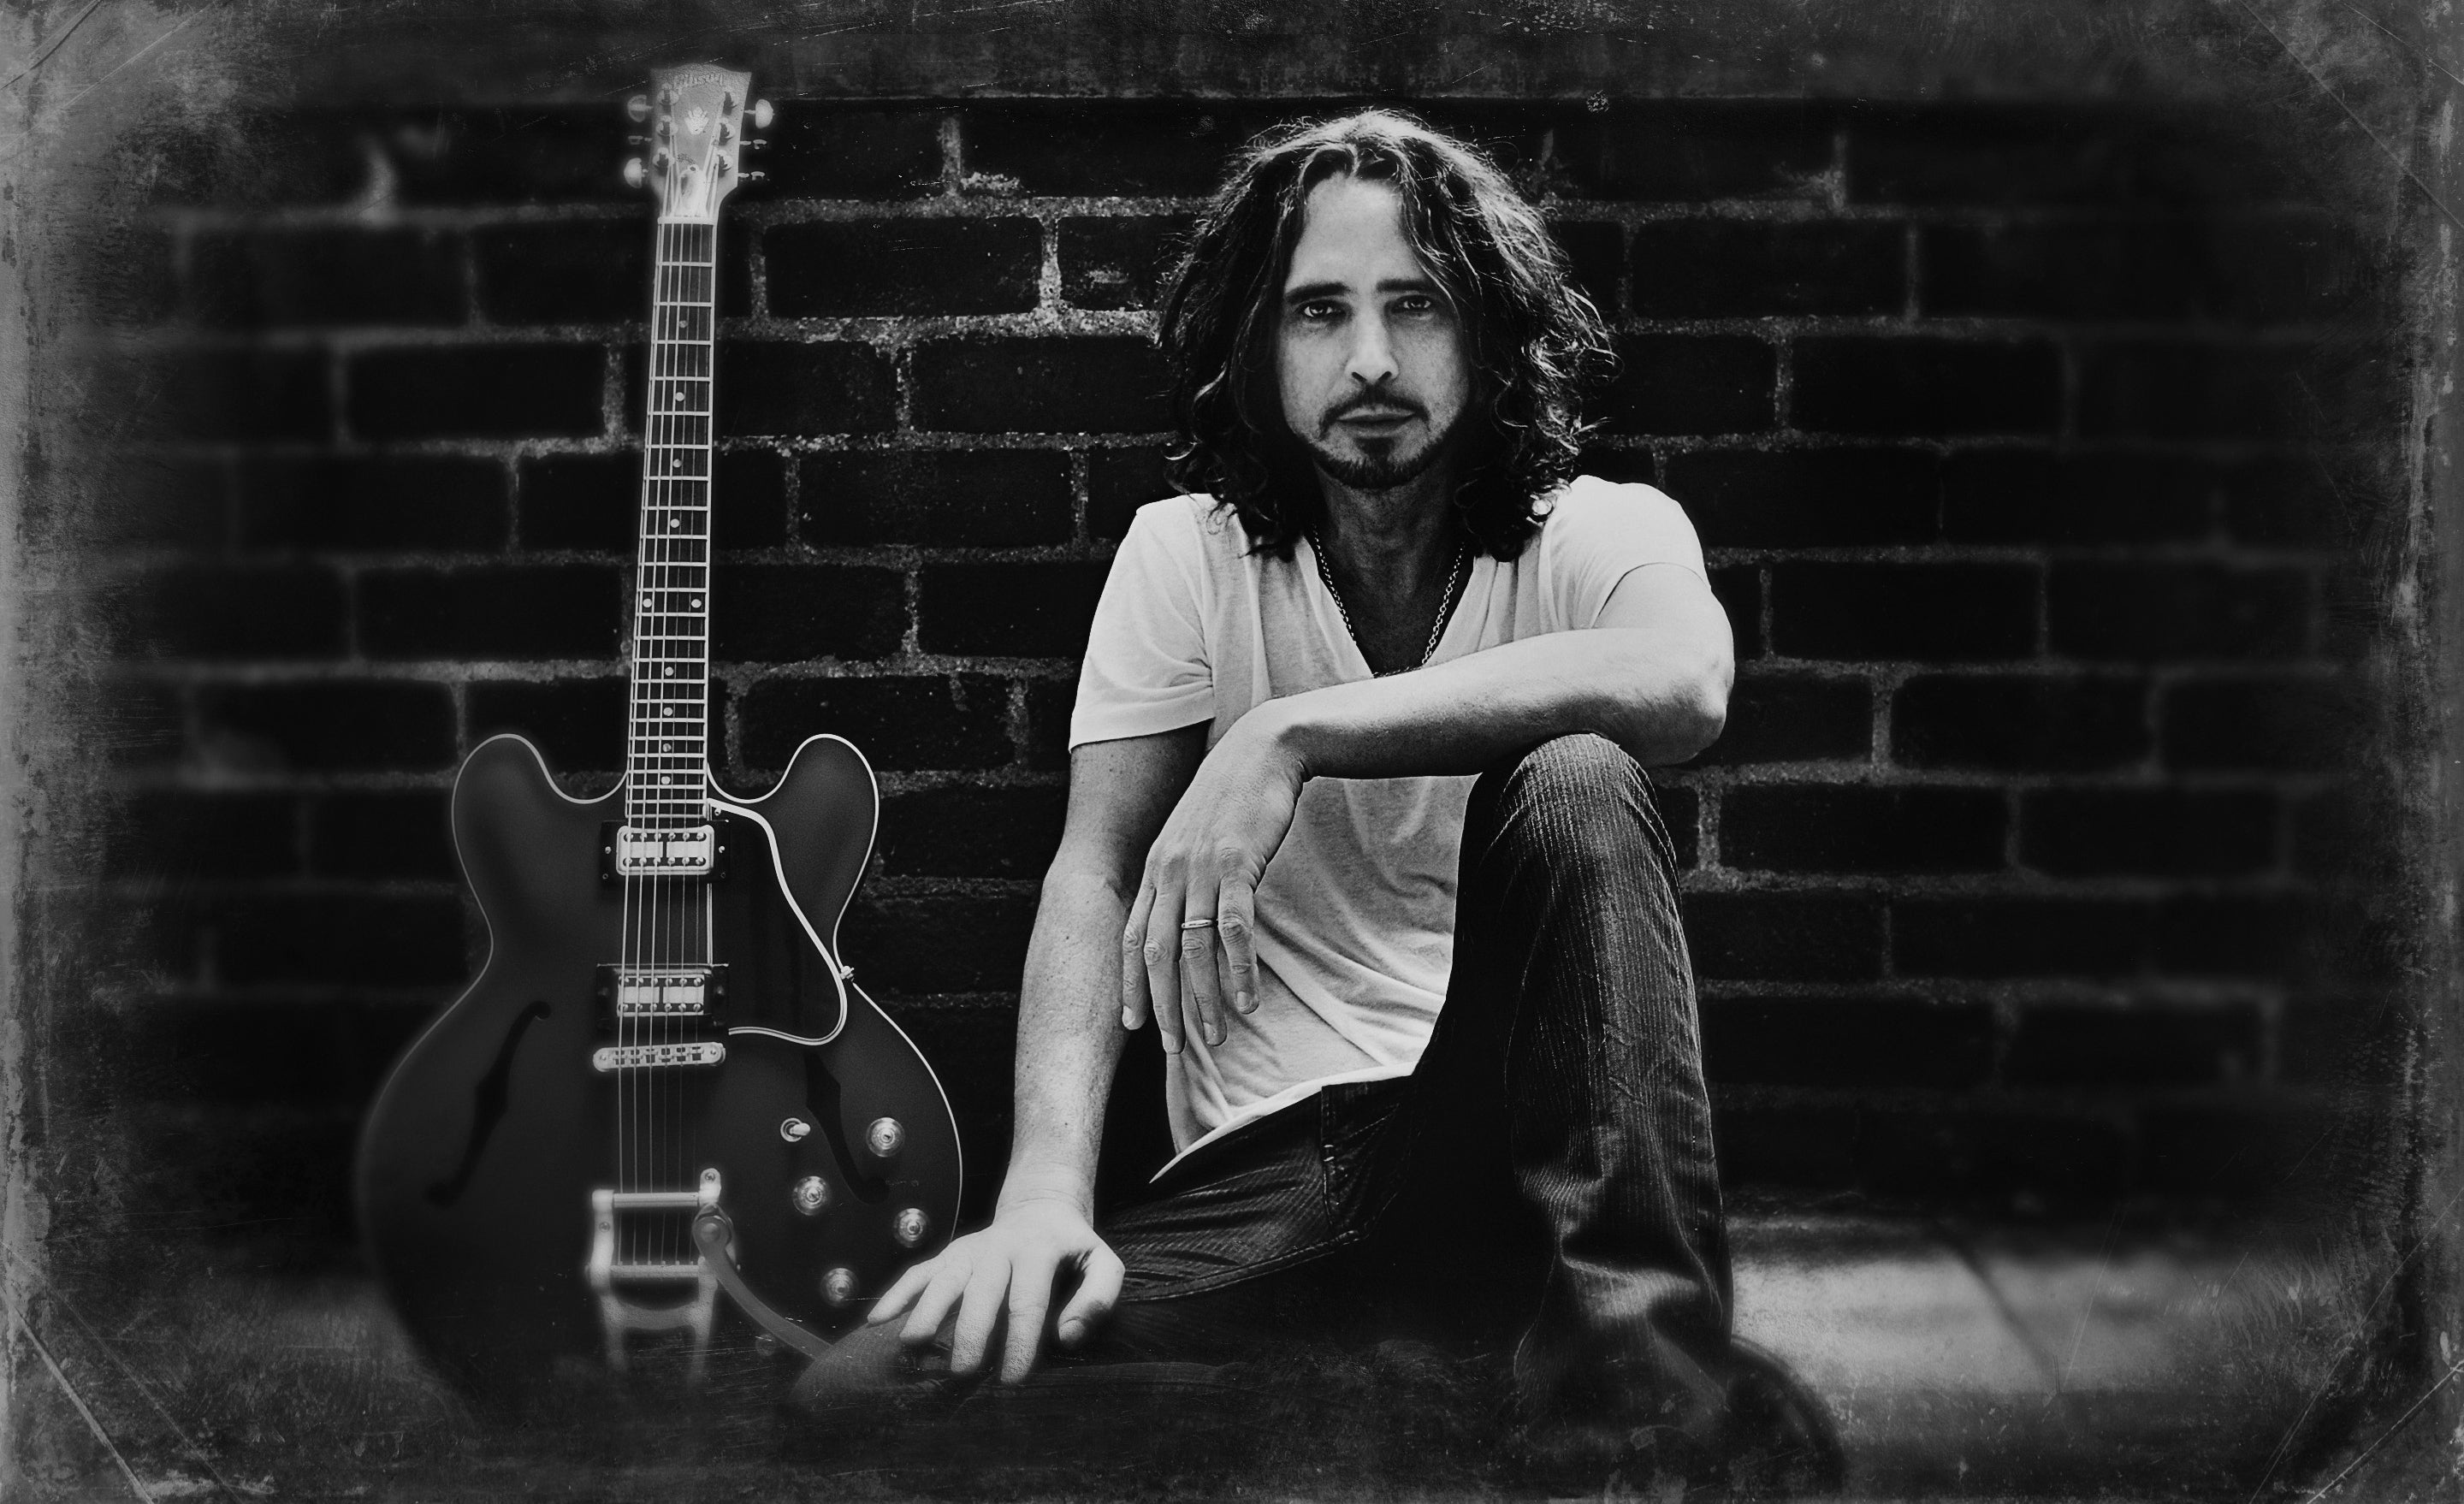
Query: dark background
{"x":2042,"y":402}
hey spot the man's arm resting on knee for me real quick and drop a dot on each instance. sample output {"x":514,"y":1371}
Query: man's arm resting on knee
{"x":1069,"y":1042}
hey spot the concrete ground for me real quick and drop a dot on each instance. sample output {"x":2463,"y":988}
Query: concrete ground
{"x":1959,"y":1362}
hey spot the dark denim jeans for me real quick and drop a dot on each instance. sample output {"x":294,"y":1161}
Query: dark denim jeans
{"x":1546,"y":1171}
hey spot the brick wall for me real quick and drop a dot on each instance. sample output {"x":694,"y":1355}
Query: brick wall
{"x":2033,"y":451}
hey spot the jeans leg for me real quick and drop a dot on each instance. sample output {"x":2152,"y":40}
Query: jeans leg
{"x":1566,"y":1067}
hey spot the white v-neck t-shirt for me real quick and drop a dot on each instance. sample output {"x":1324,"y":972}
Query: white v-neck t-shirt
{"x":1355,"y":915}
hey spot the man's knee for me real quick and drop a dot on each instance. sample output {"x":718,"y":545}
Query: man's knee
{"x":1580,"y":797}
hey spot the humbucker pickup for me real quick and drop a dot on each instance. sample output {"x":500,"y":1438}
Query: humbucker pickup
{"x":629,"y":993}
{"x":688,"y":852}
{"x":631,"y":1057}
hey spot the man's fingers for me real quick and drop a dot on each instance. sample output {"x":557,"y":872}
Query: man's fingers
{"x":977,"y":1311}
{"x":1096,"y":1293}
{"x":902,"y":1293}
{"x":1133,"y":967}
{"x":1030,"y":1295}
{"x":1235,"y":937}
{"x":1162,"y":957}
{"x":1202,"y":992}
{"x":941,"y":1292}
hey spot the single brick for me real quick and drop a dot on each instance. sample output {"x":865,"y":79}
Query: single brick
{"x":224,"y":612}
{"x":1785,"y":1143}
{"x":1037,"y":610}
{"x":1680,"y":812}
{"x":578,"y":725}
{"x":1986,"y":937}
{"x":1622,"y":465}
{"x":373,"y":502}
{"x":903,"y":267}
{"x":1862,"y":384}
{"x":2144,"y":611}
{"x":2352,"y":827}
{"x":2059,"y":1044}
{"x":331,"y":726}
{"x":796,"y":390}
{"x":2070,"y":269}
{"x":1118,"y":482}
{"x":2065,"y":1158}
{"x":971,"y":833}
{"x":1595,"y":256}
{"x":135,"y":724}
{"x":823,"y":150}
{"x":255,"y":1053}
{"x":2291,"y":269}
{"x":939,"y":944}
{"x":247,"y":395}
{"x":1957,"y":613}
{"x":184,"y":836}
{"x":1695,"y":149}
{"x":972,"y":498}
{"x":749,"y":499}
{"x":267,"y":280}
{"x":2033,"y":725}
{"x":1784,"y":937}
{"x":575,"y":271}
{"x":2158,"y":388}
{"x":2328,"y":1042}
{"x":532,"y":154}
{"x":2086,"y":832}
{"x":789,"y":613}
{"x":404,"y":833}
{"x":1807,"y":498}
{"x":1120,"y":261}
{"x":592,"y":502}
{"x":2295,"y":502}
{"x":1739,"y":590}
{"x":1075,"y":149}
{"x":2265,"y":1152}
{"x":1847,"y":829}
{"x":2035,"y":154}
{"x":495,"y":612}
{"x":1081,"y":384}
{"x":1866,"y":1042}
{"x":1795,"y":717}
{"x":2031,"y":496}
{"x":1755,"y":268}
{"x":476,"y":391}
{"x":1691,"y":383}
{"x":389,"y":940}
{"x":902,"y":725}
{"x":280,"y":157}
{"x":2260,"y":935}
{"x":158,"y":501}
{"x":2306,"y":725}
{"x":1048,"y":703}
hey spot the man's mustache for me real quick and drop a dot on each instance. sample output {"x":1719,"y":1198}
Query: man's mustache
{"x":1368,"y":402}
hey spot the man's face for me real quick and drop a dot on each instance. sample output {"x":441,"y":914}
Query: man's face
{"x":1370,"y":353}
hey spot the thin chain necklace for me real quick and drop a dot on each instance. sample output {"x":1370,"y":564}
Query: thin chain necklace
{"x":1436,"y":628}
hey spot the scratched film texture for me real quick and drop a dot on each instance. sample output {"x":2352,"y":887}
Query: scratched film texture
{"x":2045,"y":386}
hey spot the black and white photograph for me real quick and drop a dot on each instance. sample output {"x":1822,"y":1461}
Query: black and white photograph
{"x":913,"y":750}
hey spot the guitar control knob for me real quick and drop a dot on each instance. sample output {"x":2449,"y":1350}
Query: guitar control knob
{"x":811,"y":1195}
{"x":795,"y":1130}
{"x":634,"y":172}
{"x":763,"y":115}
{"x":885,"y":1138}
{"x":638,"y":107}
{"x":910,"y":1226}
{"x":837,"y":1286}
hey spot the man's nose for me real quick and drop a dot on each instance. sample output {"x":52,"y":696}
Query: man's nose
{"x":1373,"y":352}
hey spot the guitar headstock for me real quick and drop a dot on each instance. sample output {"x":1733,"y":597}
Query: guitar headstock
{"x":696,"y":115}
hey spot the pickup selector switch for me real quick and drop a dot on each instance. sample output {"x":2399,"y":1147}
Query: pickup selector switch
{"x":795,"y":1130}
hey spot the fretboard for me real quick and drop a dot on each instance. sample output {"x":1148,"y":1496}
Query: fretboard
{"x":665,"y":778}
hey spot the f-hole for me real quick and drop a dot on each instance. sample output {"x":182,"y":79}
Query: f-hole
{"x":487,"y":1106}
{"x":822,"y":1096}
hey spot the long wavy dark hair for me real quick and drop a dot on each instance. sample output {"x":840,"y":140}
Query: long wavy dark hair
{"x":1534,"y":342}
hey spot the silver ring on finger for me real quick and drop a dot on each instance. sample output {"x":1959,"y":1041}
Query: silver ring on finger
{"x":1198,"y":924}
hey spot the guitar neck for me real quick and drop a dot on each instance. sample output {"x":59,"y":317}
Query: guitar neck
{"x":666,"y":759}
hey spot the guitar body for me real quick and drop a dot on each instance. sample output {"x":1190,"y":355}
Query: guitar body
{"x":480,"y":1159}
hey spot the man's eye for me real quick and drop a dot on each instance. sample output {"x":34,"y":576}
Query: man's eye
{"x":1419,"y":303}
{"x":1319,"y":312}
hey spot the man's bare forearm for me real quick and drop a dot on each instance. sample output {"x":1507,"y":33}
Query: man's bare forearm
{"x":1068,"y":1037}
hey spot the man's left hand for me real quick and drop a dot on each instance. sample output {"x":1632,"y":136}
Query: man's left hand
{"x":1205,"y":866}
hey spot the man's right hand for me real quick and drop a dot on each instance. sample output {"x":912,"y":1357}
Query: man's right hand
{"x":1008,"y":1267}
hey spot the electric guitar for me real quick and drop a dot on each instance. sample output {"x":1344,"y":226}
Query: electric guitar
{"x":664,"y":1086}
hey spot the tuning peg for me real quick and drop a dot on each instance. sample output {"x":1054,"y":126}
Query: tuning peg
{"x":762,"y":115}
{"x":638,"y":107}
{"x":755,"y":143}
{"x":637,"y":141}
{"x":751,"y":177}
{"x":634,"y":172}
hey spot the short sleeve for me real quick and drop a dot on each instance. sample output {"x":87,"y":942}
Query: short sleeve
{"x":1601,"y":531}
{"x":1146,"y":667}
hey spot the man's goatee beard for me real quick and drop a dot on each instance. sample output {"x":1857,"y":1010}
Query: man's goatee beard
{"x":1382,"y":475}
